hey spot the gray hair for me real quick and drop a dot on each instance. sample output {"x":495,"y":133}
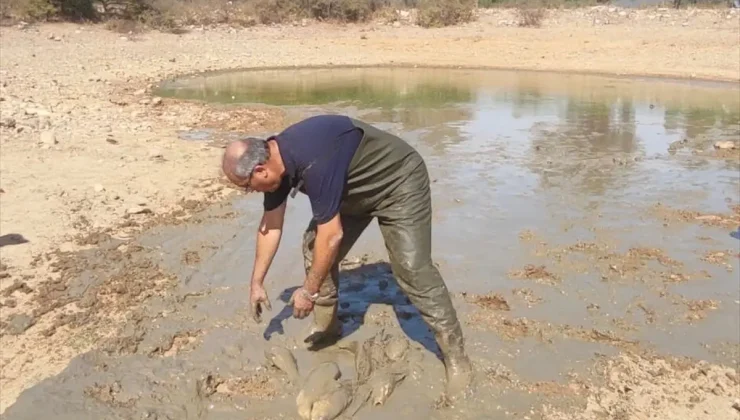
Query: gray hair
{"x":258,"y":153}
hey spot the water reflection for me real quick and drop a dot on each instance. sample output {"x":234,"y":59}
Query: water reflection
{"x":586,"y":134}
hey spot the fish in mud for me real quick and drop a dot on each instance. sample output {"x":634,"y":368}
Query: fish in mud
{"x":330,"y":406}
{"x":384,"y":382}
{"x":321,"y":380}
{"x":396,"y":348}
{"x":283,"y":359}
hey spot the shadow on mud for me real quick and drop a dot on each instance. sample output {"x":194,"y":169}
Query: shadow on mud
{"x":359,"y":289}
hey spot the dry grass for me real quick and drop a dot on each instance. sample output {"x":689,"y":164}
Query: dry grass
{"x":437,"y":13}
{"x":173,"y":14}
{"x":530,"y":17}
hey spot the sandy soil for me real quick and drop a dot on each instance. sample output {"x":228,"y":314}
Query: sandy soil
{"x":77,"y":120}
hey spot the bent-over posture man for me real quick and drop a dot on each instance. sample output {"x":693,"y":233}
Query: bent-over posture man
{"x":351,"y":172}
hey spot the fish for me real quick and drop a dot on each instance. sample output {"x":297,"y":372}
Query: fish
{"x":284,"y":360}
{"x":331,"y":405}
{"x":384,"y":382}
{"x":396,"y":348}
{"x":321,"y":380}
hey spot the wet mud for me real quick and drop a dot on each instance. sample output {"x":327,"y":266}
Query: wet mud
{"x":592,"y":262}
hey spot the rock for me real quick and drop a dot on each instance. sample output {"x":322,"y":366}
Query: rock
{"x":98,"y":188}
{"x":138,"y":210}
{"x":48,"y":138}
{"x":38,"y":112}
{"x":396,"y":24}
{"x":612,"y":9}
{"x":157,"y":101}
{"x":623,"y":13}
{"x":725,"y":145}
{"x":144,"y":101}
{"x":7,"y":122}
{"x":736,"y":405}
{"x":140,"y":92}
{"x":19,"y":323}
{"x":155,"y":154}
{"x":139,"y":201}
{"x":44,"y":123}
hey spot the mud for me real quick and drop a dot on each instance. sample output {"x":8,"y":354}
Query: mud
{"x":572,"y":282}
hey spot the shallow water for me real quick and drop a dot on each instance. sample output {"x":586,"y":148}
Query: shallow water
{"x":525,"y":165}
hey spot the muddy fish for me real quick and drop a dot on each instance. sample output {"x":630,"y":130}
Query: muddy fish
{"x":321,"y":380}
{"x":384,"y":382}
{"x":331,"y":405}
{"x":363,"y":358}
{"x":283,"y":359}
{"x":396,"y":348}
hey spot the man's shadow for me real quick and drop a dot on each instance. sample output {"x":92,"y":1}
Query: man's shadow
{"x":359,"y":288}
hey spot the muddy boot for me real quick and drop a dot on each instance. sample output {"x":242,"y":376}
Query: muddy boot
{"x":325,"y":329}
{"x":458,"y":369}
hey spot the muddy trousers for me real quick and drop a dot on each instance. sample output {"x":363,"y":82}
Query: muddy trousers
{"x":405,"y":223}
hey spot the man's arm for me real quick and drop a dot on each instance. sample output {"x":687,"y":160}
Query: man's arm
{"x":326,"y":246}
{"x":268,"y":239}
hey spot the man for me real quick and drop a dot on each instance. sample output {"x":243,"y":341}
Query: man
{"x":351,"y":172}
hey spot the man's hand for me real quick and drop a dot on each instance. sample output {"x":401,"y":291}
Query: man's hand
{"x":302,"y":304}
{"x":257,"y":299}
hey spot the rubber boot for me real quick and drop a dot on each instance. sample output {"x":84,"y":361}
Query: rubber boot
{"x":325,"y":329}
{"x":458,"y":369}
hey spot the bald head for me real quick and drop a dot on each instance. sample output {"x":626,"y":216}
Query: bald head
{"x":242,"y":156}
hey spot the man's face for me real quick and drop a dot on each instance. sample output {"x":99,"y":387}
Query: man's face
{"x":263,"y":180}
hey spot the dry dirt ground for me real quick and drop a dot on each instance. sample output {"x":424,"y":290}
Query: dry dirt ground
{"x":84,"y":146}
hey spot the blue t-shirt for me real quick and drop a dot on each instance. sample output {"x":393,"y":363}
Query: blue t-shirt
{"x":316,"y":153}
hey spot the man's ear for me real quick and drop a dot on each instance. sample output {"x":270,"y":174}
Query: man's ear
{"x":259,"y":170}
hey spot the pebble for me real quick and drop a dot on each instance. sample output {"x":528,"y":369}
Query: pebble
{"x":140,"y":92}
{"x":156,"y":101}
{"x":48,"y":138}
{"x":98,"y":188}
{"x":724,"y":145}
{"x":19,"y":323}
{"x":138,"y":210}
{"x":7,"y":122}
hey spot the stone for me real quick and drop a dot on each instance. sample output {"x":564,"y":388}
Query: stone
{"x":396,"y":24}
{"x":48,"y":138}
{"x":157,"y":101}
{"x":19,"y":323}
{"x":138,"y":210}
{"x":140,"y":92}
{"x":139,"y":201}
{"x":725,"y":145}
{"x":7,"y":122}
{"x":98,"y":188}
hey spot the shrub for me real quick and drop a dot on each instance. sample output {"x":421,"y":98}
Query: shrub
{"x":530,"y":17}
{"x":437,"y":13}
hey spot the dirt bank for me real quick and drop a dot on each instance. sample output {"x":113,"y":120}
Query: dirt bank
{"x":84,"y":147}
